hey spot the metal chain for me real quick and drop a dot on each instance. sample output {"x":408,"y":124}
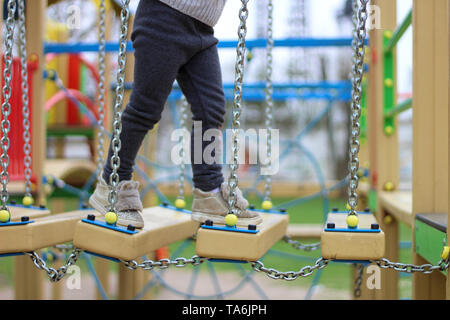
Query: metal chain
{"x":359,"y":37}
{"x":237,"y":108}
{"x":6,"y":106}
{"x":182,"y":166}
{"x":55,"y":274}
{"x":196,"y":261}
{"x":25,"y":100}
{"x":409,"y":268}
{"x":269,"y":98}
{"x":163,"y":263}
{"x":117,"y":123}
{"x":101,"y":89}
{"x":300,"y":246}
{"x":290,"y":275}
{"x":358,"y":281}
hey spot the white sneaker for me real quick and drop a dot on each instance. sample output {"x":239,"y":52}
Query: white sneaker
{"x":213,"y":206}
{"x":129,"y":205}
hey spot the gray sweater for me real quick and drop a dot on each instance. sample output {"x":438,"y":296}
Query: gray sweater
{"x":207,"y":11}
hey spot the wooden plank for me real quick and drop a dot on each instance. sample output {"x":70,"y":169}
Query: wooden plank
{"x":397,"y":204}
{"x":17,"y":212}
{"x":241,"y":246}
{"x":304,"y":231}
{"x":163,"y":226}
{"x":352,"y":245}
{"x":69,"y":170}
{"x":42,"y":233}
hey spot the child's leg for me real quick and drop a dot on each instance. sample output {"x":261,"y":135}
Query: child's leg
{"x":161,"y":39}
{"x":201,"y":82}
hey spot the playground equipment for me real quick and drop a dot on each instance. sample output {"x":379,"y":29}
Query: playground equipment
{"x":429,"y":105}
{"x":57,"y":274}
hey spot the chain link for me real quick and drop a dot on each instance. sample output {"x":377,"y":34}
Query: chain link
{"x":300,"y":246}
{"x":163,"y":263}
{"x":101,"y":89}
{"x":237,"y":108}
{"x":117,"y":123}
{"x":55,"y":275}
{"x":182,"y":166}
{"x":6,"y":106}
{"x":410,"y":268}
{"x":25,"y":100}
{"x":290,"y":275}
{"x":359,"y":36}
{"x":269,"y":98}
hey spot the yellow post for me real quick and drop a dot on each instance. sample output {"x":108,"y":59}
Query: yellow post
{"x":430,"y":110}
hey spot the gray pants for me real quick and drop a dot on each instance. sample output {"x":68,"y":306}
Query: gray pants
{"x":169,"y":46}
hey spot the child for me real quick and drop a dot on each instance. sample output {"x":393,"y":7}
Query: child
{"x":173,"y":40}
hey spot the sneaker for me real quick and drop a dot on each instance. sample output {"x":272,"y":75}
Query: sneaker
{"x":129,"y":205}
{"x":213,"y":206}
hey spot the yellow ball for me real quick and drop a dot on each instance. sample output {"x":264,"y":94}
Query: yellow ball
{"x":388,"y":82}
{"x":231,"y":220}
{"x":445,"y":253}
{"x":388,"y":186}
{"x":111,"y":217}
{"x":267,"y":205}
{"x":180,"y":203}
{"x":387,"y":219}
{"x":389,"y":130}
{"x":4,"y":216}
{"x":352,"y":221}
{"x":27,"y":201}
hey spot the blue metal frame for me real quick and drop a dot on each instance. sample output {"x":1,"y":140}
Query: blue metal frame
{"x":60,"y":48}
{"x":18,"y":223}
{"x":274,"y":211}
{"x":230,"y":229}
{"x":109,"y":226}
{"x":352,"y":229}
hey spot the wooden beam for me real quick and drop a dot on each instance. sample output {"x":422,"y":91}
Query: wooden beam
{"x":163,"y":226}
{"x":242,"y":246}
{"x":430,"y":130}
{"x":448,"y":144}
{"x":351,"y":244}
{"x":384,"y":163}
